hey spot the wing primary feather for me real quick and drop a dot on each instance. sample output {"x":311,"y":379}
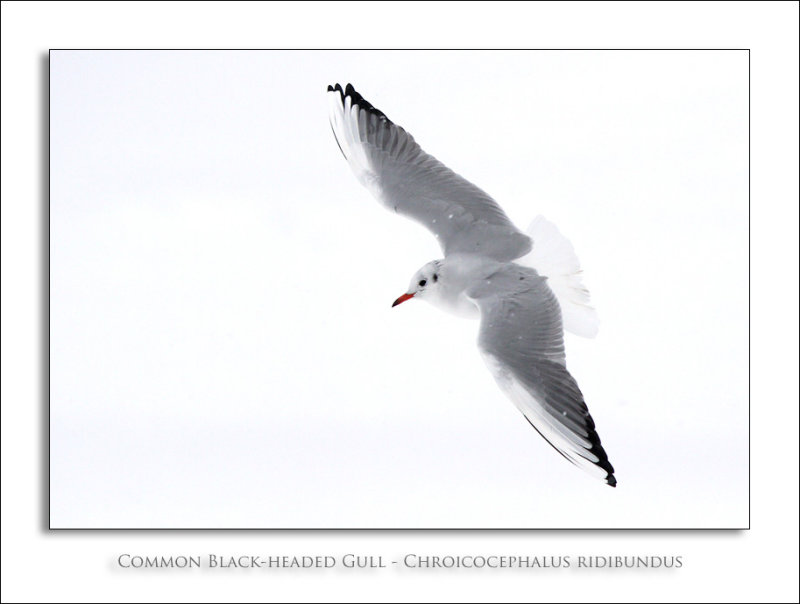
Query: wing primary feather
{"x":547,"y":440}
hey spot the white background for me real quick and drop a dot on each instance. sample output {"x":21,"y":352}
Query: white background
{"x":223,"y":351}
{"x":771,"y":475}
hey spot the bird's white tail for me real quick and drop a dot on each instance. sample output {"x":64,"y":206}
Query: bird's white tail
{"x":554,"y":257}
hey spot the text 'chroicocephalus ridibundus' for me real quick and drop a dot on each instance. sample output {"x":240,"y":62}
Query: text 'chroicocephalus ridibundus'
{"x":525,"y":288}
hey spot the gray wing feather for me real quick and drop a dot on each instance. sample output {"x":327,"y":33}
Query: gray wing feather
{"x":521,"y":338}
{"x":388,"y":161}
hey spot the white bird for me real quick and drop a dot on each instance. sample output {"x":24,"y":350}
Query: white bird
{"x":525,"y":288}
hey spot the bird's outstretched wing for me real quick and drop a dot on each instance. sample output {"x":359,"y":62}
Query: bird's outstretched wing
{"x":521,"y":339}
{"x":388,"y":161}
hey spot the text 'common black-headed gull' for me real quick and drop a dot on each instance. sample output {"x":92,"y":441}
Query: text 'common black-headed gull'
{"x":525,"y":288}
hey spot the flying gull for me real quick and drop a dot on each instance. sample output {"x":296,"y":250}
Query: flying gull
{"x":524,"y":287}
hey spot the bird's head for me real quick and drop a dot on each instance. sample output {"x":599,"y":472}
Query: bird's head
{"x":424,"y":284}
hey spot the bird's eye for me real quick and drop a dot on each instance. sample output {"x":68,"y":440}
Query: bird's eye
{"x":422,"y":283}
{"x":435,"y":278}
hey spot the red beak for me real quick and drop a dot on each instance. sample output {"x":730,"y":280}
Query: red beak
{"x":402,"y":299}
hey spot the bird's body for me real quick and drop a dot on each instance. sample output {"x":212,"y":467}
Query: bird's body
{"x":525,"y":288}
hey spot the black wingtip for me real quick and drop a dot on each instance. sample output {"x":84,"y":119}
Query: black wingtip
{"x":357,"y":99}
{"x":597,"y":449}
